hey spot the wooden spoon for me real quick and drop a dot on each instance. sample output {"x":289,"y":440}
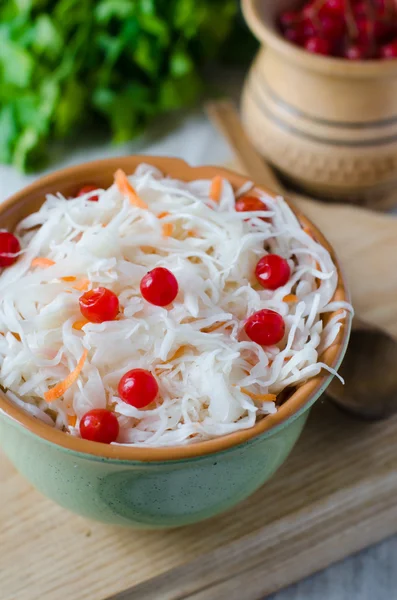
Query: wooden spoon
{"x":370,"y":374}
{"x":366,"y":244}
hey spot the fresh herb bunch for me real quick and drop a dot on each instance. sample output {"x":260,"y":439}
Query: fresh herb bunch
{"x":65,"y":64}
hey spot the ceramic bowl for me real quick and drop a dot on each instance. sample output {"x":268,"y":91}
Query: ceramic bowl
{"x":152,"y":487}
{"x":329,"y":125}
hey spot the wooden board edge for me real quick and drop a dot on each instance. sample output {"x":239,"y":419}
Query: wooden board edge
{"x":285,"y":551}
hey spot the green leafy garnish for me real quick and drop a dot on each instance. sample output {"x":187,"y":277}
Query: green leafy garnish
{"x":67,"y":63}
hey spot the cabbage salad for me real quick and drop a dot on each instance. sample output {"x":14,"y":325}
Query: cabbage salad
{"x":205,"y":375}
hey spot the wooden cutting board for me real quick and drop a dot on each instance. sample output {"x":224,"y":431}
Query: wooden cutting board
{"x":335,"y":495}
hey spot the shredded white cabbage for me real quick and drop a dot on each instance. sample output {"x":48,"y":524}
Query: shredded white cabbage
{"x":196,"y":348}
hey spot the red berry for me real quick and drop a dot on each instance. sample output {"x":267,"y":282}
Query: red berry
{"x":272,"y":271}
{"x":99,"y":425}
{"x":9,"y":246}
{"x":249,"y":203}
{"x":380,"y":6}
{"x":289,"y":18}
{"x":383,"y":30}
{"x":360,"y":9}
{"x":336,"y":7}
{"x":86,"y":190}
{"x":389,"y":50}
{"x":318,"y":45}
{"x":309,"y":10}
{"x":138,"y":388}
{"x":365,"y":29}
{"x":159,"y":286}
{"x":332,"y":28}
{"x":99,"y":305}
{"x":355,"y":52}
{"x":294,"y":35}
{"x":265,"y":327}
{"x":309,"y":29}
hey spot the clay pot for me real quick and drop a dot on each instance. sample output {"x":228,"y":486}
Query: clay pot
{"x":329,"y":125}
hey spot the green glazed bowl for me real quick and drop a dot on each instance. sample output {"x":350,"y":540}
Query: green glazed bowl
{"x":153,"y":487}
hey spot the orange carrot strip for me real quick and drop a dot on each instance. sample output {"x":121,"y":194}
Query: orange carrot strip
{"x":72,"y":420}
{"x":290,"y":298}
{"x":126,"y":188}
{"x":216,"y":188}
{"x":42,"y":262}
{"x":167,"y":228}
{"x":213,"y":327}
{"x":260,"y":397}
{"x":60,"y":388}
{"x":317,"y":280}
{"x":191,"y":233}
{"x":163,"y":214}
{"x":78,"y":325}
{"x":178,"y":353}
{"x":81,"y":285}
{"x":47,"y":262}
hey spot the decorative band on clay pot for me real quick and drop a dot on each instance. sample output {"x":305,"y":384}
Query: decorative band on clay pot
{"x":327,"y":124}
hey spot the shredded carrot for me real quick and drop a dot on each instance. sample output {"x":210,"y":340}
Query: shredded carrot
{"x":216,"y":188}
{"x":252,"y":361}
{"x":260,"y":397}
{"x":72,"y":420}
{"x":47,"y":262}
{"x":78,"y":325}
{"x":168,"y":228}
{"x":126,"y":188}
{"x":163,"y":214}
{"x":178,"y":353}
{"x":317,"y":280}
{"x":42,"y":262}
{"x":81,"y":285}
{"x":148,"y":249}
{"x":290,"y":298}
{"x":60,"y":388}
{"x":16,"y":336}
{"x":213,"y":327}
{"x":191,"y":233}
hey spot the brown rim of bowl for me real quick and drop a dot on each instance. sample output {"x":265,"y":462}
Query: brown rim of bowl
{"x":100,"y":173}
{"x":324,"y":64}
